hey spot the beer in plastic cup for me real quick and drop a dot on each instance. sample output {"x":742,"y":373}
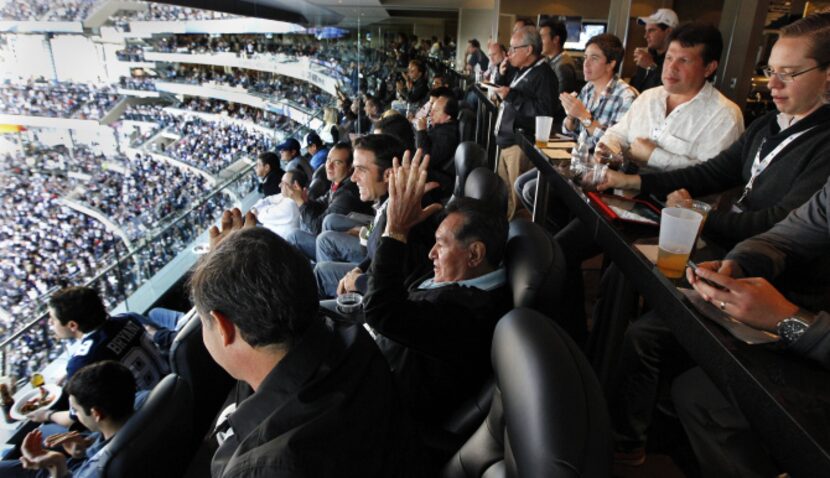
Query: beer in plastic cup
{"x":699,"y":206}
{"x":543,"y":126}
{"x":678,"y":232}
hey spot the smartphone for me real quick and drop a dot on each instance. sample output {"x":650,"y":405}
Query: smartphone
{"x":693,"y":266}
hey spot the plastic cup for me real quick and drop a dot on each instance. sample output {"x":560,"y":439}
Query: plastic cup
{"x":699,"y":206}
{"x":543,"y":126}
{"x":678,"y":232}
{"x":349,"y":303}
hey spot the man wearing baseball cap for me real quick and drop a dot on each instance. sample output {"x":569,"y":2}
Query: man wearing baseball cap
{"x":317,"y":151}
{"x":290,"y":157}
{"x":659,"y":26}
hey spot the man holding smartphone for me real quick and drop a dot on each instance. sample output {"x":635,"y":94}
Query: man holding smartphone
{"x":740,"y":286}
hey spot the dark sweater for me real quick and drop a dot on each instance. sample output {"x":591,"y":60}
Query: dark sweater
{"x":271,"y":184}
{"x":440,"y":143}
{"x":343,"y":201}
{"x":795,"y":174}
{"x":537,"y":94}
{"x":436,"y":340}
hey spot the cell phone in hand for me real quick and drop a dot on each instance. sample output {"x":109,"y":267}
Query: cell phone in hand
{"x":693,"y":266}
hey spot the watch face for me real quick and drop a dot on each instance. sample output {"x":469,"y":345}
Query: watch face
{"x":791,"y":329}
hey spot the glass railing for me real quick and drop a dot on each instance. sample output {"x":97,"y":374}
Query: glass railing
{"x":32,"y":346}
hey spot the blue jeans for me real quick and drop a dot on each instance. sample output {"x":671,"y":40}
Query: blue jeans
{"x":306,"y":242}
{"x":328,"y":275}
{"x":163,"y":318}
{"x":340,"y":222}
{"x":339,"y":247}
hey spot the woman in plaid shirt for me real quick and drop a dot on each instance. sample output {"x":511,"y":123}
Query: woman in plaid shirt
{"x":604,"y":98}
{"x":602,"y":102}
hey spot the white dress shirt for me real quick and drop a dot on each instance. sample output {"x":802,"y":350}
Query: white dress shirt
{"x":692,"y":133}
{"x":279,"y":214}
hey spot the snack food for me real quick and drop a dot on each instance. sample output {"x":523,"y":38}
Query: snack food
{"x":37,"y":402}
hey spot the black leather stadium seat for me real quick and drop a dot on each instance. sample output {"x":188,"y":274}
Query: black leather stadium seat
{"x":468,"y":156}
{"x":482,"y":183}
{"x":466,"y":124}
{"x":548,"y":417}
{"x":154,"y":440}
{"x":209,"y":382}
{"x":535,"y":267}
{"x":318,"y":184}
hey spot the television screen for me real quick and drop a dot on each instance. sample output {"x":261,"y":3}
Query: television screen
{"x":586,"y":32}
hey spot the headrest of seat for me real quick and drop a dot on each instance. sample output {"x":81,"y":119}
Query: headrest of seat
{"x":484,"y":184}
{"x":468,"y":156}
{"x":553,"y":407}
{"x":153,"y":440}
{"x":187,"y":343}
{"x":535,"y":267}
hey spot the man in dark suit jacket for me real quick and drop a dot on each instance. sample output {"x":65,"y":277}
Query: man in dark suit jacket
{"x":339,"y":268}
{"x":436,"y":333}
{"x":342,"y":198}
{"x":269,"y":172}
{"x":440,"y":140}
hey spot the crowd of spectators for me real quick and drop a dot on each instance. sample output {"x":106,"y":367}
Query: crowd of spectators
{"x":140,"y":83}
{"x":130,"y":53}
{"x":258,"y":116}
{"x":43,"y":244}
{"x":46,"y":10}
{"x":277,"y":87}
{"x":213,"y":147}
{"x":170,"y":13}
{"x":139,"y":199}
{"x":57,"y":99}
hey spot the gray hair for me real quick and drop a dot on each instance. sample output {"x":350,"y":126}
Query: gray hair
{"x":530,"y":36}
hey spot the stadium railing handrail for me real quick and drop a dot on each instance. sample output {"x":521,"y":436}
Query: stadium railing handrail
{"x":145,"y":243}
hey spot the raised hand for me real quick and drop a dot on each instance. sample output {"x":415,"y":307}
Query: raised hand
{"x":407,"y":187}
{"x":231,"y":221}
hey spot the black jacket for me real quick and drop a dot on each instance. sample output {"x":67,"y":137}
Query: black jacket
{"x":271,"y":185}
{"x":440,"y":143}
{"x":329,"y":408}
{"x":421,"y":240}
{"x":343,"y":201}
{"x":795,"y":174}
{"x":537,"y":94}
{"x":644,"y":79}
{"x":436,"y":340}
{"x":418,"y":92}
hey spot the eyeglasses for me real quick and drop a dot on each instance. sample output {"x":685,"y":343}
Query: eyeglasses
{"x":788,"y":77}
{"x":513,"y":49}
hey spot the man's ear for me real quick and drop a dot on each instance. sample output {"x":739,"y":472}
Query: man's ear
{"x":711,"y":68}
{"x":387,"y":174}
{"x":97,"y":414}
{"x":227,"y":329}
{"x":73,"y":326}
{"x":477,"y":254}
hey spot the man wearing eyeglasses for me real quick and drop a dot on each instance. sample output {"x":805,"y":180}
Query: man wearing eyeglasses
{"x":342,"y":198}
{"x":531,"y":91}
{"x":779,"y":163}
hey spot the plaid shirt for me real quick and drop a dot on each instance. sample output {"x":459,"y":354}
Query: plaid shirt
{"x":606,"y":110}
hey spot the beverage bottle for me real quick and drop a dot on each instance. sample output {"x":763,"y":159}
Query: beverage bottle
{"x":7,"y":401}
{"x":580,"y":156}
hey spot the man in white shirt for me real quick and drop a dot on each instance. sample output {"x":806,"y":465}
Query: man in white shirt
{"x":278,"y":212}
{"x":686,"y":121}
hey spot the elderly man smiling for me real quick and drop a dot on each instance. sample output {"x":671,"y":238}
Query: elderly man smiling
{"x":436,"y":334}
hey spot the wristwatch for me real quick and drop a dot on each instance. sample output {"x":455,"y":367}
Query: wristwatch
{"x":793,"y":327}
{"x":587,"y":122}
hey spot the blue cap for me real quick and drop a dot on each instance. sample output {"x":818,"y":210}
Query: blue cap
{"x":289,"y":144}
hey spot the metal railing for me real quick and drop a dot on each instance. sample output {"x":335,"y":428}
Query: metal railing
{"x":31,"y":347}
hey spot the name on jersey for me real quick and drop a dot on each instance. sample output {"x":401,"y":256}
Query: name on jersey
{"x":124,"y":337}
